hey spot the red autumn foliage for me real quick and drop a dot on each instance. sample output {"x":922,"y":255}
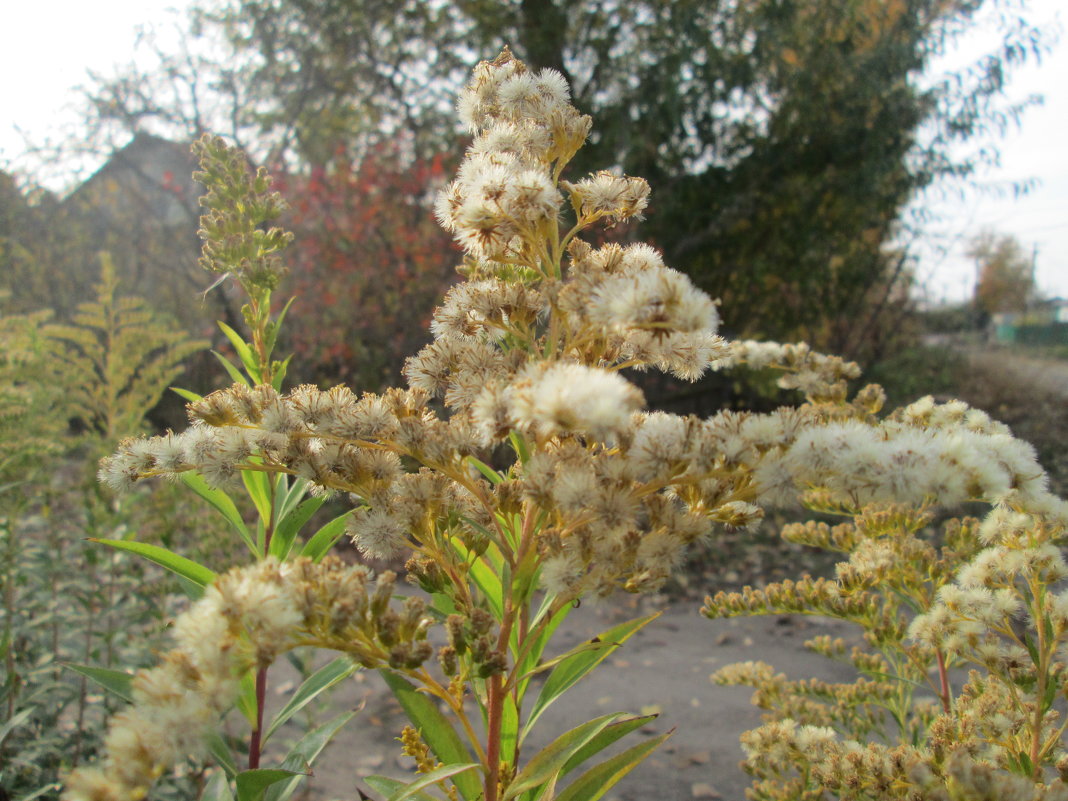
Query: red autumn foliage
{"x":368,"y":264}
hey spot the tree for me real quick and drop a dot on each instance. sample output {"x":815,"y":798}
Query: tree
{"x":1006,"y":280}
{"x":783,"y":139}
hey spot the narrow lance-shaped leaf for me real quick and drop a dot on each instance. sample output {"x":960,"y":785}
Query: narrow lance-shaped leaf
{"x":217,"y":788}
{"x":325,"y":538}
{"x":303,"y":755}
{"x":611,"y":734}
{"x":246,"y":697}
{"x":15,"y":721}
{"x":598,"y":780}
{"x":221,"y":753}
{"x":114,"y":681}
{"x":386,"y":787}
{"x":570,"y":670}
{"x":186,"y":568}
{"x":546,"y":765}
{"x":192,"y":397}
{"x":222,"y":503}
{"x":280,"y":370}
{"x":414,"y":788}
{"x":319,"y":682}
{"x":244,"y":352}
{"x":435,"y":728}
{"x":258,"y":485}
{"x":235,"y":375}
{"x":485,"y":579}
{"x":275,"y":327}
{"x":491,"y":475}
{"x":291,"y":494}
{"x":251,"y":784}
{"x":286,"y":532}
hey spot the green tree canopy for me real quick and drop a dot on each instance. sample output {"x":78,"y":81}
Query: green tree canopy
{"x":783,"y":139}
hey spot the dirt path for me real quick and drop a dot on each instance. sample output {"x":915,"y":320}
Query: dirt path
{"x":664,"y":668}
{"x":1049,"y":376}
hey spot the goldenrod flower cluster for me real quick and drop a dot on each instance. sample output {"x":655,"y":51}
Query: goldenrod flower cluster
{"x":246,"y":619}
{"x":599,"y":494}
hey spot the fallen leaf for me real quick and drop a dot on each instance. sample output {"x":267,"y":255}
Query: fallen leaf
{"x":704,"y":790}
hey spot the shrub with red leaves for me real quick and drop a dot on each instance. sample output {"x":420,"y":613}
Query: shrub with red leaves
{"x":368,"y":264}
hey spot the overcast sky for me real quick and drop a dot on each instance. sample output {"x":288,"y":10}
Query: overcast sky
{"x":47,"y":47}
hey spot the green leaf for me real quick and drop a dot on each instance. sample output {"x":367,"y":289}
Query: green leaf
{"x":485,"y":579}
{"x":509,"y":727}
{"x":611,"y":734}
{"x":222,"y":754}
{"x":192,"y":397}
{"x":519,"y":445}
{"x":427,"y":779}
{"x":575,"y":666}
{"x":186,"y":568}
{"x":280,"y":370}
{"x":320,"y":681}
{"x":1024,"y":760}
{"x":291,"y":494}
{"x":235,"y":375}
{"x":1050,"y":694}
{"x":251,"y":784}
{"x":599,"y":779}
{"x":258,"y":486}
{"x":114,"y":681}
{"x":435,"y":728}
{"x":15,"y":721}
{"x":492,"y":475}
{"x":244,"y":352}
{"x":534,"y":653}
{"x":272,"y":331}
{"x":48,"y":788}
{"x":303,"y":755}
{"x":246,"y":697}
{"x":222,"y":503}
{"x":325,"y":538}
{"x":217,"y":788}
{"x":545,"y":766}
{"x":284,"y":534}
{"x":193,"y":592}
{"x":1031,"y":649}
{"x":386,"y":786}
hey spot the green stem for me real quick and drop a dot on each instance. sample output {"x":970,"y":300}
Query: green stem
{"x":495,"y":702}
{"x":1039,"y":616}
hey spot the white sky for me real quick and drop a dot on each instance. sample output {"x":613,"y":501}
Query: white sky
{"x":48,"y":46}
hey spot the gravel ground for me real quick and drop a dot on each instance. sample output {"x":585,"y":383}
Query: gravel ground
{"x":664,"y":669}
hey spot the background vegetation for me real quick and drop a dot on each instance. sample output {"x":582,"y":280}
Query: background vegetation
{"x":783,"y":142}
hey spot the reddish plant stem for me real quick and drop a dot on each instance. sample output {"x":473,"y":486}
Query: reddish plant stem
{"x":256,"y":742}
{"x":943,"y":679}
{"x":495,"y":703}
{"x":495,"y":693}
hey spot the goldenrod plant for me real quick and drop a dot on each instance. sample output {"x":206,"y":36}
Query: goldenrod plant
{"x":116,"y":358}
{"x":517,"y":473}
{"x":968,"y":593}
{"x":64,"y":390}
